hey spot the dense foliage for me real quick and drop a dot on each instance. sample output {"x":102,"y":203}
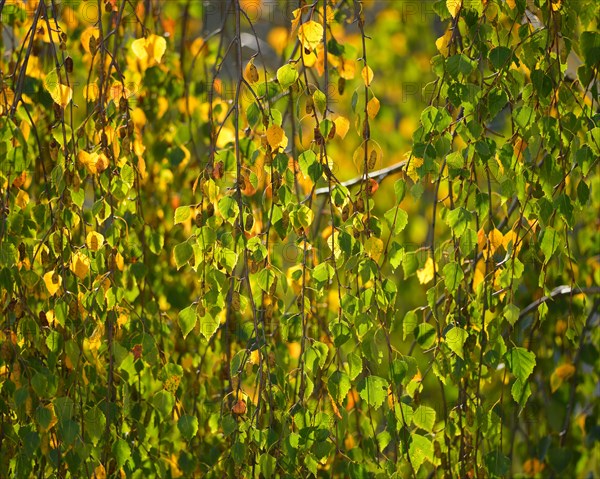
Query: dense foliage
{"x":289,"y":239}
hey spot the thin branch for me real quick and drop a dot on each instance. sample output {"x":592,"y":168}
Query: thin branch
{"x":377,"y":175}
{"x":563,"y":290}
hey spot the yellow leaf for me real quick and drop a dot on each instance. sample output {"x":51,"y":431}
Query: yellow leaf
{"x":122,"y":320}
{"x":342,"y":125}
{"x":90,"y":91}
{"x":156,"y":46}
{"x":373,"y":107}
{"x":251,"y":73}
{"x":80,"y":265}
{"x":561,"y":374}
{"x":197,"y":46}
{"x":443,"y":43}
{"x":7,"y":97}
{"x":119,"y":261}
{"x":453,"y":7}
{"x":52,"y":280}
{"x":101,"y":163}
{"x":565,"y":371}
{"x":309,"y":58}
{"x":151,"y":48}
{"x":556,"y":5}
{"x":411,"y":171}
{"x":374,"y":248}
{"x":511,"y":237}
{"x":296,"y":17}
{"x":275,"y":136}
{"x":88,"y":160}
{"x":479,"y":274}
{"x":496,"y":239}
{"x":94,"y":342}
{"x":61,"y":94}
{"x":425,"y":274}
{"x":94,"y":240}
{"x":533,"y":467}
{"x":278,"y":38}
{"x":346,"y":69}
{"x":512,"y":4}
{"x":367,"y":75}
{"x":86,"y":36}
{"x":99,"y":472}
{"x":22,"y":199}
{"x":251,"y":7}
{"x":254,"y":357}
{"x":310,"y":34}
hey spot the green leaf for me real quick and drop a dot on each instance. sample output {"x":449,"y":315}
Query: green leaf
{"x":163,"y":401}
{"x":409,"y":324}
{"x":43,"y":416}
{"x":183,"y":213}
{"x":309,"y":166}
{"x":400,"y":190}
{"x":373,"y":390}
{"x":267,"y":464}
{"x":458,"y":220}
{"x":435,"y":120}
{"x":253,"y":114}
{"x":453,"y":275}
{"x":95,"y":423}
{"x":511,"y":313}
{"x":228,"y":208}
{"x":182,"y":253}
{"x":420,"y":450}
{"x":63,"y":408}
{"x":455,"y":339}
{"x":188,"y":426}
{"x":236,"y":361}
{"x":121,"y":452}
{"x":425,"y":335}
{"x":338,"y":385}
{"x":265,"y":279}
{"x":320,"y":100}
{"x":401,"y":218}
{"x":549,"y":242}
{"x":460,"y":65}
{"x":287,"y":76}
{"x":521,"y":362}
{"x":355,"y":365}
{"x":302,"y":217}
{"x":323,"y":272}
{"x":590,"y":48}
{"x":424,"y":417}
{"x":208,"y":325}
{"x":520,"y":391}
{"x":497,"y":463}
{"x":500,"y":56}
{"x":524,"y":117}
{"x":187,"y":320}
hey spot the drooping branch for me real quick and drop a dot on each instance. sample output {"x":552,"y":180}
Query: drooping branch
{"x":563,"y":290}
{"x":377,"y":175}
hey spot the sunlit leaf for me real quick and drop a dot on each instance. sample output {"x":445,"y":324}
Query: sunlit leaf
{"x":367,"y":75}
{"x":60,"y":93}
{"x":426,"y":273}
{"x":453,"y":7}
{"x":310,"y":34}
{"x":152,"y":47}
{"x":53,"y":282}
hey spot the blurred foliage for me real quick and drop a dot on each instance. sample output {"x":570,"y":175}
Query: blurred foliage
{"x":280,"y":239}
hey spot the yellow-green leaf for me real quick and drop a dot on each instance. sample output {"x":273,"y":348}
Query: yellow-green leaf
{"x":310,"y":34}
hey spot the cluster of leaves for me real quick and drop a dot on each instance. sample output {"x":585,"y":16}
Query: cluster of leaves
{"x":203,"y":273}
